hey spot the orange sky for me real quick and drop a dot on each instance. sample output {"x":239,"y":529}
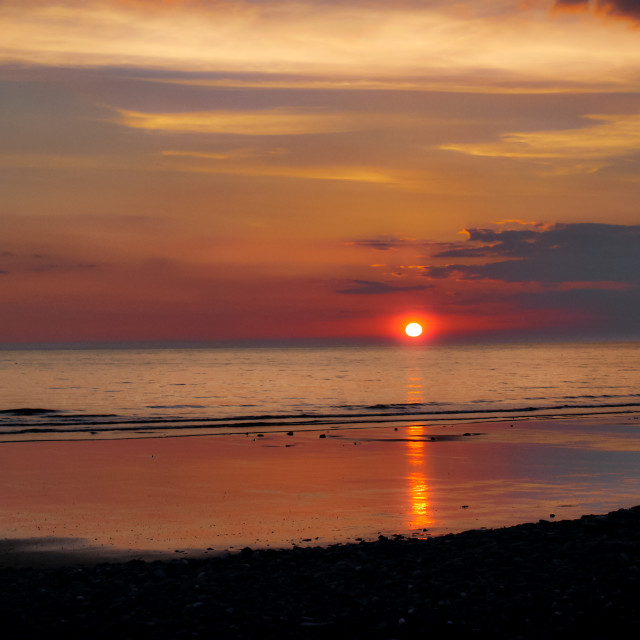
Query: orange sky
{"x":195,"y":170}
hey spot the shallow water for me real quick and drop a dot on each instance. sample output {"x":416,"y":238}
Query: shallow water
{"x":202,"y":495}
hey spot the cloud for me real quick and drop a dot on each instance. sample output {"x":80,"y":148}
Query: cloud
{"x":571,"y":5}
{"x":384,"y":243}
{"x":41,"y":263}
{"x":618,"y":8}
{"x":581,"y":253}
{"x":629,"y":8}
{"x":484,"y":47}
{"x":612,"y":136}
{"x":214,"y":163}
{"x":271,"y":122}
{"x":65,"y":267}
{"x":229,"y":154}
{"x":369,"y":287}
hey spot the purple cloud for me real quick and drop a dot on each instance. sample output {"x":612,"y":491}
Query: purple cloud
{"x":384,"y":243}
{"x":623,"y":8}
{"x":585,"y":252}
{"x":629,"y":8}
{"x":370,"y":287}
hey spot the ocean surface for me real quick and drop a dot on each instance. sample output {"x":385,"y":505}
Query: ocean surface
{"x":137,"y":393}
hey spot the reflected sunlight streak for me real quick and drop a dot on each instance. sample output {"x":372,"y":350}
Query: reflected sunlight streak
{"x":418,"y":487}
{"x":420,"y":514}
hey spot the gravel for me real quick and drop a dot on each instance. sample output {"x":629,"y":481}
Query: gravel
{"x":543,"y":580}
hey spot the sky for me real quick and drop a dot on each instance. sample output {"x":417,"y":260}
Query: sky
{"x":191,"y":170}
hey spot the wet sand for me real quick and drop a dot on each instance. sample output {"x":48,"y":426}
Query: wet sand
{"x":200,"y":496}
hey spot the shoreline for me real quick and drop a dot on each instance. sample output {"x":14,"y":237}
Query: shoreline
{"x":534,"y":580}
{"x":143,"y":428}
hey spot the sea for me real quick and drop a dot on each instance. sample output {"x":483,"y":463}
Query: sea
{"x":107,"y":393}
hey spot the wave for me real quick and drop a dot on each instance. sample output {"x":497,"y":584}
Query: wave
{"x":28,"y":411}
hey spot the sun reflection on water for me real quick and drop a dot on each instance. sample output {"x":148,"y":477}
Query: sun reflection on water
{"x":418,"y":486}
{"x":419,"y":492}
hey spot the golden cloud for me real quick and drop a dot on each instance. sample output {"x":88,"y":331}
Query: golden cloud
{"x":614,"y":136}
{"x":363,"y":43}
{"x":272,"y":122}
{"x":326,"y":172}
{"x":230,"y":154}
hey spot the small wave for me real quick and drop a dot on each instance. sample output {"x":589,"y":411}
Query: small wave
{"x":28,"y":411}
{"x":177,"y":406}
{"x":129,"y":426}
{"x":396,"y":406}
{"x":605,"y":396}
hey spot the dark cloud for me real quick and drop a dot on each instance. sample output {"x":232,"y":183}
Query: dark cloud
{"x":487,"y":242}
{"x":561,"y":253}
{"x":370,"y":287}
{"x":629,"y":8}
{"x":622,"y":8}
{"x":64,"y":267}
{"x":5,"y":254}
{"x":40,"y":263}
{"x":384,"y":243}
{"x":441,"y":272}
{"x":589,"y":274}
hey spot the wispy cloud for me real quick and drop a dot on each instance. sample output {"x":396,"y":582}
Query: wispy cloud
{"x":371,"y":287}
{"x":272,"y":122}
{"x":344,"y":173}
{"x":268,"y":163}
{"x":616,"y":8}
{"x":385,"y":243}
{"x":613,"y":136}
{"x":41,"y":263}
{"x":489,"y":45}
{"x":228,"y":154}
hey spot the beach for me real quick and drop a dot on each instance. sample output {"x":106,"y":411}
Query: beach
{"x":542,"y":580}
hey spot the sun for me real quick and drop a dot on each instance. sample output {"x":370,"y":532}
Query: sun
{"x":413,"y":329}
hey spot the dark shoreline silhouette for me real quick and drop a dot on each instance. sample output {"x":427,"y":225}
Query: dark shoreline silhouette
{"x":541,"y":580}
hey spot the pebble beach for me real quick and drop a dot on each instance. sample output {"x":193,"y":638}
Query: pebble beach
{"x":548,"y":579}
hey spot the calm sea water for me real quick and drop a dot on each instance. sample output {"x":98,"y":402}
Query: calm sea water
{"x":134,"y":393}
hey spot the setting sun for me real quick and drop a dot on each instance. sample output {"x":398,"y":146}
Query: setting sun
{"x":413,"y":329}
